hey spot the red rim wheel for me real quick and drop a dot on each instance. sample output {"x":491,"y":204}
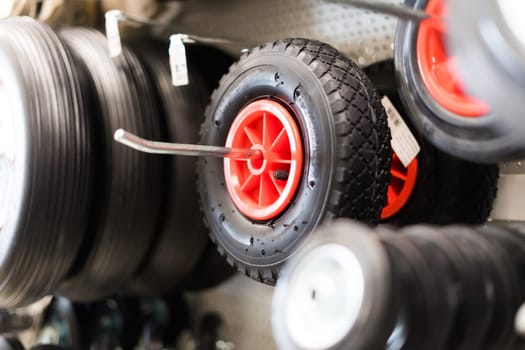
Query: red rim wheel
{"x":438,"y":69}
{"x":263,"y":187}
{"x":402,"y":183}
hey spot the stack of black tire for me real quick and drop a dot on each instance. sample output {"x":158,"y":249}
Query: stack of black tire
{"x":84,"y":215}
{"x":426,"y":287}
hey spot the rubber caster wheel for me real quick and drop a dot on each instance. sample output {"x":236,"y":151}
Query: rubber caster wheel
{"x":461,"y":191}
{"x":324,"y":152}
{"x":336,"y":293}
{"x":46,"y":167}
{"x":432,"y":92}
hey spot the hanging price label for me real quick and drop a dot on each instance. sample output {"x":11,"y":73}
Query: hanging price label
{"x":178,"y":61}
{"x":113,"y":32}
{"x":404,"y":144}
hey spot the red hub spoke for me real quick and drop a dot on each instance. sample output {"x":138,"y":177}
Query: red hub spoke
{"x":402,"y":184}
{"x":253,"y":136}
{"x":263,"y":187}
{"x":250,"y":183}
{"x":438,"y":69}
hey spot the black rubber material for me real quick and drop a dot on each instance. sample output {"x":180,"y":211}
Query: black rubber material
{"x":514,"y":249}
{"x":461,"y":191}
{"x":130,"y":196}
{"x":470,"y":307}
{"x":411,"y":302}
{"x":480,"y":139}
{"x":442,"y":265}
{"x":49,"y":198}
{"x":346,"y":146}
{"x":433,"y":297}
{"x":378,"y":311}
{"x":496,"y":264}
{"x":210,"y":271}
{"x":182,"y":238}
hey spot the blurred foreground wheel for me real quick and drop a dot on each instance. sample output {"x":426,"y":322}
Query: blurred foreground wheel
{"x":324,"y":141}
{"x":460,"y":191}
{"x":129,"y":197}
{"x":433,"y":95}
{"x":46,"y":170}
{"x":336,"y":293}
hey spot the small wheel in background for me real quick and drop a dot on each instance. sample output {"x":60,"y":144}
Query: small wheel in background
{"x":433,"y":95}
{"x":436,"y":188}
{"x":324,"y":141}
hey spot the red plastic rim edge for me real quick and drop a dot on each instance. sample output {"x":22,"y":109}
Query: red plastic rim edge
{"x":438,"y":69}
{"x":262,"y":188}
{"x":402,"y":183}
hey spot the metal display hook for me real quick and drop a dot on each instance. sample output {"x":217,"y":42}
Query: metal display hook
{"x":154,"y":147}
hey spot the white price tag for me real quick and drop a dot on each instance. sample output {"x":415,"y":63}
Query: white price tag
{"x":113,"y":33}
{"x":178,"y":63}
{"x":403,"y":142}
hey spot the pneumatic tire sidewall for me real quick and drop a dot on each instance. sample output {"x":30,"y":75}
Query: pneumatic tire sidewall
{"x":297,"y":88}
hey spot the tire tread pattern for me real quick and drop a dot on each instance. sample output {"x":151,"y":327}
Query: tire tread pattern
{"x":362,"y":137}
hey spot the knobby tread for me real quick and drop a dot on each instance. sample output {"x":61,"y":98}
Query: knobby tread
{"x":361,"y":175}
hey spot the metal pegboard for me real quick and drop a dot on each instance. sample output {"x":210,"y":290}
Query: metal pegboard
{"x":362,"y":35}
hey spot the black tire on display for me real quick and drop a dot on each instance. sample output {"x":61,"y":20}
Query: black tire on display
{"x":182,"y":238}
{"x":130,"y":195}
{"x":479,"y":138}
{"x":345,"y":141}
{"x":46,"y":170}
{"x":461,"y":191}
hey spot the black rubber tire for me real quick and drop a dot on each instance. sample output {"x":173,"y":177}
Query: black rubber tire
{"x":499,"y":281}
{"x":461,"y":191}
{"x":130,"y":195}
{"x":182,"y":238}
{"x":47,"y":185}
{"x":339,"y":116}
{"x":480,"y":139}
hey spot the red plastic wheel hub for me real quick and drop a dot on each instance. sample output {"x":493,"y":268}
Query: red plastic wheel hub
{"x":262,"y":187}
{"x":402,"y":183}
{"x":438,"y":69}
